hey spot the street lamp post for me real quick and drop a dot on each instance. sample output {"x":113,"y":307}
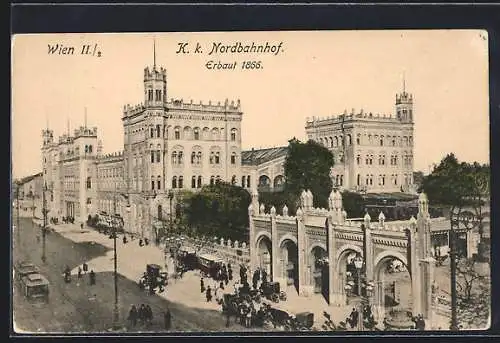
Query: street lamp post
{"x":170,"y":198}
{"x":44,"y":228}
{"x":368,"y":286}
{"x":116,"y":312}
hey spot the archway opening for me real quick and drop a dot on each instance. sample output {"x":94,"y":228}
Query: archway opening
{"x":393,"y":293}
{"x":320,"y":274}
{"x":348,"y":274}
{"x":264,"y":253}
{"x":289,"y":251}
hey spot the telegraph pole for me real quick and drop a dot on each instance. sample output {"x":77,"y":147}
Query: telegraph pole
{"x":116,"y":312}
{"x":44,"y":228}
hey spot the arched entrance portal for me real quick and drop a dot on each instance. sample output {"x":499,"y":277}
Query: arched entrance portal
{"x":320,"y":268}
{"x":393,"y":292}
{"x":289,"y":251}
{"x":264,"y":254}
{"x":347,"y":272}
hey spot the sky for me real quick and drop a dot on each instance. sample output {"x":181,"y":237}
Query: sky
{"x":314,"y":73}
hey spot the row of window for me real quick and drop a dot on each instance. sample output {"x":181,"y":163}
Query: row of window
{"x":381,"y":179}
{"x":160,"y":131}
{"x":157,"y":95}
{"x":407,"y":160}
{"x":110,"y":172}
{"x":369,"y":139}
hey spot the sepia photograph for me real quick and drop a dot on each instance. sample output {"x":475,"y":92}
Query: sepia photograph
{"x":250,"y":182}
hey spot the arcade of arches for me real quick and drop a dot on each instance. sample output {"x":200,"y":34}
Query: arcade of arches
{"x":313,"y":253}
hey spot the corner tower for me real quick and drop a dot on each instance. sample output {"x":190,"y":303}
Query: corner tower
{"x":155,"y":84}
{"x":404,"y":105}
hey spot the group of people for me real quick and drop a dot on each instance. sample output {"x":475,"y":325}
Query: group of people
{"x":143,"y":315}
{"x":68,"y":220}
{"x":54,"y":220}
{"x":419,"y":322}
{"x":81,"y":271}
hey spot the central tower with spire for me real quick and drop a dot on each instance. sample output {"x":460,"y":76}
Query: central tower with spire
{"x":155,"y":84}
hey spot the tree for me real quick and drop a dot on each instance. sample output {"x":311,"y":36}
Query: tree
{"x":307,"y":166}
{"x":354,"y":204}
{"x":474,"y":294}
{"x":219,"y":210}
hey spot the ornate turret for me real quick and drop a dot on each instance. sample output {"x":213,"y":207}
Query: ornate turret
{"x":404,"y":105}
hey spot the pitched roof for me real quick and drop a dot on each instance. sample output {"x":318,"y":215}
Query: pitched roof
{"x":28,"y":178}
{"x":259,"y":156}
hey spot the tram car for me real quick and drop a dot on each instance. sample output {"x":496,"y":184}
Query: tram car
{"x":209,"y":264}
{"x":35,"y":287}
{"x":24,"y":269}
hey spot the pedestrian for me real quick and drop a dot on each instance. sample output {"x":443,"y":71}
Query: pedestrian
{"x":132,"y":316}
{"x":209,"y":294}
{"x":149,"y":313}
{"x":85,"y":268}
{"x":230,"y":273}
{"x":142,"y":313}
{"x":92,"y":277}
{"x":167,"y":318}
{"x":124,"y":239}
{"x":79,"y":272}
{"x":221,"y":285}
{"x":81,"y":226}
{"x":202,"y":285}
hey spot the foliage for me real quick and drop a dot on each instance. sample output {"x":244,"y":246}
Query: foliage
{"x":218,"y":210}
{"x":353,"y":204}
{"x":278,"y":200}
{"x":329,"y":325}
{"x":473,"y":294}
{"x":456,"y":184}
{"x":308,"y":166}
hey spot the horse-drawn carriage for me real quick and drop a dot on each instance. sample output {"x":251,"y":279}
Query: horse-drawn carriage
{"x":153,"y":278}
{"x":271,"y":291}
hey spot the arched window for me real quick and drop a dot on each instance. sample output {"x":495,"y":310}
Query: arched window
{"x":233,"y":180}
{"x":233,"y":134}
{"x":89,"y":182}
{"x":358,"y":180}
{"x":212,"y":180}
{"x":158,"y":182}
{"x":336,"y":141}
{"x":358,"y":159}
{"x":217,"y":158}
{"x":341,"y":180}
{"x":212,"y":155}
{"x":174,"y":182}
{"x":199,"y":181}
{"x":151,"y":132}
{"x":243,"y":181}
{"x":90,"y":148}
{"x":152,"y":157}
{"x":349,"y":139}
{"x":158,"y":154}
{"x":248,"y":181}
{"x":381,"y":140}
{"x":196,"y":134}
{"x":174,"y":157}
{"x":177,"y":133}
{"x":181,"y":181}
{"x":152,"y":183}
{"x":198,"y":157}
{"x":193,"y":182}
{"x":358,"y":139}
{"x":180,"y":160}
{"x":158,"y":131}
{"x":193,"y":158}
{"x":233,"y":158}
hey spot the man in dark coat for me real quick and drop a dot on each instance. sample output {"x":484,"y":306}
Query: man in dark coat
{"x":202,"y":286}
{"x":92,"y":277}
{"x":132,"y":316}
{"x":209,"y":294}
{"x":167,"y":317}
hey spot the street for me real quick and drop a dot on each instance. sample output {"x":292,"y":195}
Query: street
{"x":80,"y":307}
